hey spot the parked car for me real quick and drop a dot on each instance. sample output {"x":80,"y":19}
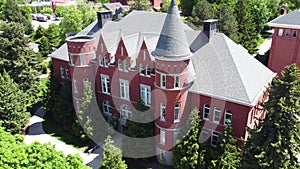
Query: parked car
{"x":42,"y":18}
{"x":34,"y":16}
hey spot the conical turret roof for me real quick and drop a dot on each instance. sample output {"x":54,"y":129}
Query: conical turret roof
{"x":172,"y":42}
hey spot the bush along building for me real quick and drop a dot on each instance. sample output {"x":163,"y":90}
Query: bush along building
{"x":172,"y":68}
{"x":285,"y":48}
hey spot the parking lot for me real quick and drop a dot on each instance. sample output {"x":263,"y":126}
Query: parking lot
{"x":36,"y":23}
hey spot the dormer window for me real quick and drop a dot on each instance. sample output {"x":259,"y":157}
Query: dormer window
{"x":142,"y":70}
{"x":105,"y":62}
{"x":148,"y":71}
{"x":120,"y":65}
{"x":125,"y":66}
{"x":100,"y":61}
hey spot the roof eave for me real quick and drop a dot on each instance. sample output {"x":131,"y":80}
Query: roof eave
{"x":278,"y":25}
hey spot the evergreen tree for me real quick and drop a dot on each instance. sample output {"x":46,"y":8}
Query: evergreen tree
{"x":44,"y":46}
{"x":188,"y":152}
{"x":13,"y":113}
{"x":53,"y":34}
{"x":244,"y":17}
{"x":273,"y":7}
{"x":112,"y":156}
{"x":187,"y":6}
{"x":12,"y":13}
{"x":227,"y":23}
{"x":260,"y":13}
{"x":140,"y":126}
{"x":229,"y":155}
{"x":276,"y":142}
{"x":201,"y":11}
{"x":40,"y":32}
{"x":140,"y":5}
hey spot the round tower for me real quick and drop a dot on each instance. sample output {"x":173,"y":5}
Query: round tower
{"x":81,"y":51}
{"x":172,"y":62}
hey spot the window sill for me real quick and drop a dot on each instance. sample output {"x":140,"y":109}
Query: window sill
{"x":162,"y":120}
{"x":176,"y":121}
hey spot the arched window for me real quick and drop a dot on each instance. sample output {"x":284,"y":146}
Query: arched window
{"x":142,"y":70}
{"x":148,"y":71}
{"x":105,"y":62}
{"x":228,"y":117}
{"x":125,"y":112}
{"x":120,"y":66}
{"x":125,"y":66}
{"x":106,"y":107}
{"x":206,"y":109}
{"x":100,"y":60}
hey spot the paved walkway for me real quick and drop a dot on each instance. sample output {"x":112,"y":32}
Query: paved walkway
{"x":36,"y":133}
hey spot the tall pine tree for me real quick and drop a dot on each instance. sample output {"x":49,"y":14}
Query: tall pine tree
{"x":201,"y":11}
{"x":276,"y":142}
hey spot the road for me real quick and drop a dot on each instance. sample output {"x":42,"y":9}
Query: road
{"x":45,"y":25}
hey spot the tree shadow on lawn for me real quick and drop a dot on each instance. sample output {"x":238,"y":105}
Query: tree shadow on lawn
{"x":55,"y":129}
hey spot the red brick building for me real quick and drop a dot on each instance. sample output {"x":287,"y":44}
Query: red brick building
{"x":172,"y":68}
{"x":285,"y":48}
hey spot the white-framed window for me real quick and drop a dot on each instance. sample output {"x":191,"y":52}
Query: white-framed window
{"x":62,"y":72}
{"x":176,"y":81}
{"x":144,"y":54}
{"x":105,"y":84}
{"x":148,"y":70}
{"x":162,"y":136}
{"x":124,"y":89}
{"x":67,"y":73}
{"x":85,"y":82}
{"x":72,"y":59}
{"x":100,"y":60}
{"x":82,"y":60}
{"x":125,"y":66}
{"x":120,"y":65}
{"x":287,"y":33}
{"x":146,"y":94}
{"x":162,"y":112}
{"x":177,"y":113}
{"x":106,"y":107}
{"x":228,"y":117}
{"x":105,"y":61}
{"x":175,"y":134}
{"x":122,"y":51}
{"x":295,"y":32}
{"x":142,"y":70}
{"x":163,"y":80}
{"x":217,"y":115}
{"x":214,"y":139}
{"x":206,"y":109}
{"x":125,"y":112}
{"x":75,"y":86}
{"x":280,"y":32}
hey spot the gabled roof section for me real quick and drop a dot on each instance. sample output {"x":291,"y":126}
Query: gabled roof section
{"x":226,"y":71}
{"x":172,"y":42}
{"x":289,"y":20}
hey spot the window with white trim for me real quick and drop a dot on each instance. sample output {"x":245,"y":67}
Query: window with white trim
{"x":105,"y":61}
{"x":177,"y":113}
{"x":75,"y":86}
{"x":228,"y":117}
{"x":62,"y":72}
{"x":125,"y":112}
{"x":163,"y":79}
{"x":217,"y":115}
{"x":295,"y":32}
{"x":162,"y":136}
{"x":206,"y":109}
{"x":175,"y":134}
{"x":176,"y":81}
{"x":287,"y":33}
{"x":67,"y":73}
{"x":72,"y":59}
{"x":280,"y":32}
{"x":125,"y":66}
{"x":142,"y":70}
{"x":120,"y":65}
{"x":162,"y":112}
{"x":146,"y":94}
{"x":82,"y":60}
{"x":214,"y":139}
{"x":105,"y":84}
{"x":148,"y":70}
{"x":100,"y":60}
{"x":124,"y":89}
{"x":106,"y":107}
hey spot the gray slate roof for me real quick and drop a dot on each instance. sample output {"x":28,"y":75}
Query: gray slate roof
{"x":222,"y":68}
{"x":172,"y":41}
{"x":289,"y":20}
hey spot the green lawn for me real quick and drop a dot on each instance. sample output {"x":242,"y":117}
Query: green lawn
{"x":55,"y":129}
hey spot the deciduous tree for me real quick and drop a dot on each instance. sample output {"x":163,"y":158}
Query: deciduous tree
{"x":201,"y":11}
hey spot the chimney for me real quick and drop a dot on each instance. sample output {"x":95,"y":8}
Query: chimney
{"x":103,"y":16}
{"x":210,"y":27}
